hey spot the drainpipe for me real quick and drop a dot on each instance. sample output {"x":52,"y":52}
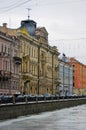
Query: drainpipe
{"x":38,"y":67}
{"x":52,"y":73}
{"x":63,"y":78}
{"x":10,"y":68}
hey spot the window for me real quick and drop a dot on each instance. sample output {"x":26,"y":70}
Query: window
{"x":5,"y":65}
{"x":34,"y":52}
{"x":8,"y":51}
{"x":2,"y":48}
{"x":5,"y":49}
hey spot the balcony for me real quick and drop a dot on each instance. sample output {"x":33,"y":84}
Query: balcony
{"x":26,"y":57}
{"x":4,"y":54}
{"x":17,"y":60}
{"x":26,"y":76}
{"x":4,"y":75}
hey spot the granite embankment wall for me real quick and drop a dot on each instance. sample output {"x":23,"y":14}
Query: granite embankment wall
{"x":10,"y":111}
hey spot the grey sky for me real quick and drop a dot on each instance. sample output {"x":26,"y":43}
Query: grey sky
{"x":65,"y":21}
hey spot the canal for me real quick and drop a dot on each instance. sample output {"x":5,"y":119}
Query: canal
{"x":65,"y":119}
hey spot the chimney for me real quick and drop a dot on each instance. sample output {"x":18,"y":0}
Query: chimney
{"x":5,"y":25}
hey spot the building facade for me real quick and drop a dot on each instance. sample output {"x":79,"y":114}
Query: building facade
{"x":39,"y":67}
{"x":39,"y":60}
{"x":79,"y":77}
{"x":9,"y":64}
{"x":65,"y":75}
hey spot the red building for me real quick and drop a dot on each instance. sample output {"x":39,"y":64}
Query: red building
{"x":9,"y":64}
{"x":79,"y":76}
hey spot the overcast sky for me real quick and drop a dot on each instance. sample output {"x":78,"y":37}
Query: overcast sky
{"x":65,"y":21}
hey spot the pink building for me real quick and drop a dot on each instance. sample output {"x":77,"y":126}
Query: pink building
{"x":9,"y":64}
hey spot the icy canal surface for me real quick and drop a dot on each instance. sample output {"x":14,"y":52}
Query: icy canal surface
{"x":64,"y":119}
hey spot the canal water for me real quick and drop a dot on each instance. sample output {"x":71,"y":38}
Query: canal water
{"x":65,"y":119}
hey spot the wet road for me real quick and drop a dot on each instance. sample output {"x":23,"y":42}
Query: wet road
{"x":64,"y":119}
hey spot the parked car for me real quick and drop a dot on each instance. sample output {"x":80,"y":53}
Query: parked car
{"x":48,"y":96}
{"x":40,"y":97}
{"x":69,"y":96}
{"x":20,"y":98}
{"x":75,"y":96}
{"x":62,"y":96}
{"x":30,"y":97}
{"x":7,"y":99}
{"x":55,"y":97}
{"x":1,"y":98}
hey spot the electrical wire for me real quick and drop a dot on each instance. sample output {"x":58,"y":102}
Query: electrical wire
{"x":10,"y":5}
{"x":56,"y":2}
{"x":72,"y":39}
{"x":16,"y":6}
{"x":39,"y":3}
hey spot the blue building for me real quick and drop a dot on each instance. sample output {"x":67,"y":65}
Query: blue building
{"x":65,"y":75}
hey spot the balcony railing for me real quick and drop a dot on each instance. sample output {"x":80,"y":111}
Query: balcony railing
{"x":17,"y":60}
{"x":4,"y":75}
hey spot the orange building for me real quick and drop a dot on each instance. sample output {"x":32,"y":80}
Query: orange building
{"x":79,"y":77}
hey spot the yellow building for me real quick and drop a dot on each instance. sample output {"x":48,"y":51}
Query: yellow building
{"x":38,"y":72}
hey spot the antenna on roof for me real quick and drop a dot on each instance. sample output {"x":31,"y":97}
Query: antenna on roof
{"x":28,"y":12}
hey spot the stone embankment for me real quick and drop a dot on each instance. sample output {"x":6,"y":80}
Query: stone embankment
{"x":9,"y":111}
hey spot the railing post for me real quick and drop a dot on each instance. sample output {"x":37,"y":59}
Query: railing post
{"x":45,"y":99}
{"x":36,"y":99}
{"x":26,"y":101}
{"x":13,"y":99}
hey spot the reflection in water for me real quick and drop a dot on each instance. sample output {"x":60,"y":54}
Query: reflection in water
{"x":64,"y":119}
